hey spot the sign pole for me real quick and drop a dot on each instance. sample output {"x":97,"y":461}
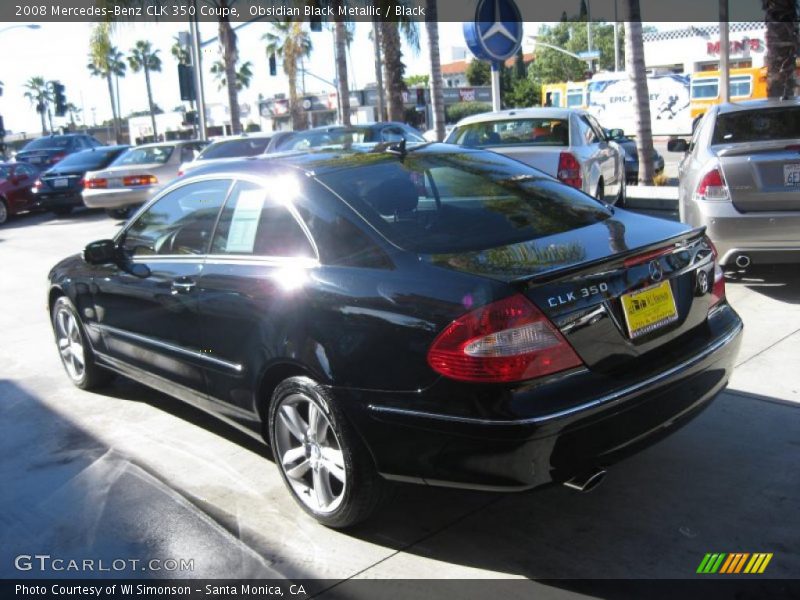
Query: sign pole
{"x":724,"y":53}
{"x":497,"y":103}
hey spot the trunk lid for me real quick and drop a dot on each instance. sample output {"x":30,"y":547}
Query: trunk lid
{"x":762,"y":176}
{"x":61,"y":181}
{"x":579,"y":279}
{"x":544,"y":158}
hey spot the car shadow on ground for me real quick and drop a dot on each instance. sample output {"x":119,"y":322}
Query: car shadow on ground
{"x":43,"y":218}
{"x":726,"y":482}
{"x":779,"y":282}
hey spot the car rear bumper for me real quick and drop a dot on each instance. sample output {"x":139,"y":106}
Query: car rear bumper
{"x":494,"y":452}
{"x":48,"y":201}
{"x":764,"y":237}
{"x":119,"y":197}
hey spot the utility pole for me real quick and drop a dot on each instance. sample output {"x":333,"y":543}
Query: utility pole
{"x":589,"y":33}
{"x":198,"y":74}
{"x":724,"y":53}
{"x":616,"y":38}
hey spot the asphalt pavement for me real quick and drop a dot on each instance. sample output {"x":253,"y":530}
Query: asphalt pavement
{"x":132,"y":474}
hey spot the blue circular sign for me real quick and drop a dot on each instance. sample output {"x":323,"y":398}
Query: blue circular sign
{"x":496,"y":32}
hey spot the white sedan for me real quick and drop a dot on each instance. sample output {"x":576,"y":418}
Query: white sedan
{"x":568,"y":144}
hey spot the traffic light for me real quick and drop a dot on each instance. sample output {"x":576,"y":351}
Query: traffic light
{"x":59,"y":98}
{"x":186,"y":82}
{"x":316,"y":23}
{"x":315,"y":19}
{"x":273,"y":65}
{"x":190,"y":117}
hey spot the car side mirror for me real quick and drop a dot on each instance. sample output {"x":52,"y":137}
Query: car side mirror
{"x":677,"y":145}
{"x":616,"y":134}
{"x":101,"y":252}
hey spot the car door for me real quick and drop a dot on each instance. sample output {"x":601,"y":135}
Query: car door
{"x":607,"y":156}
{"x":21,"y":196}
{"x":251,"y":290}
{"x":147,"y":312}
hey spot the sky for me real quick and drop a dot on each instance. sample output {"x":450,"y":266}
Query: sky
{"x":60,"y":51}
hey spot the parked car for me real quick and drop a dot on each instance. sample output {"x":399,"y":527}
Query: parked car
{"x":48,"y":150}
{"x":631,"y":151}
{"x":136,"y":175}
{"x":430,"y":134}
{"x":16,"y":181}
{"x":740,"y":178}
{"x":227,"y":148}
{"x":338,"y":135}
{"x":428,"y":314}
{"x":59,"y":188}
{"x":568,"y":144}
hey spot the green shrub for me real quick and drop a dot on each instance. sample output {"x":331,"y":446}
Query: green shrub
{"x":459,"y":110}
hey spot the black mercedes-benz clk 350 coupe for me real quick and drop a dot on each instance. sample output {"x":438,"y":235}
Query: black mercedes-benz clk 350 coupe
{"x":425,"y":314}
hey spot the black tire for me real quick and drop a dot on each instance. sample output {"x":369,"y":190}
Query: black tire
{"x":3,"y":211}
{"x":61,"y":211}
{"x":622,"y":195}
{"x":118,"y":213}
{"x":90,"y":376}
{"x":362,"y":490}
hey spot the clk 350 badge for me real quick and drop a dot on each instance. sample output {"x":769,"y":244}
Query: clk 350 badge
{"x":584,"y":292}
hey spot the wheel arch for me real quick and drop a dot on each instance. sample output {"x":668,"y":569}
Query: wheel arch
{"x":267,"y":382}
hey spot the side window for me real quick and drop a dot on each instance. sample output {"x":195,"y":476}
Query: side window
{"x":180,"y":222}
{"x":257,"y":223}
{"x":587,"y":133}
{"x":392,"y":134}
{"x":598,"y":130}
{"x":188,"y":153}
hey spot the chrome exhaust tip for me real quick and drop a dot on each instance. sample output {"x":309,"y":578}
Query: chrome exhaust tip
{"x":742,"y":261}
{"x":586,"y":482}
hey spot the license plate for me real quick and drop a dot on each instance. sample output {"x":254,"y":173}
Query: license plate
{"x":791,"y":175}
{"x":60,"y":182}
{"x":649,"y":309}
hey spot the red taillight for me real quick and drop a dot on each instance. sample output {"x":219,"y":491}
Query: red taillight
{"x":718,"y":287}
{"x":132,"y":180}
{"x":180,"y":173}
{"x":569,"y":170}
{"x":712,"y":186}
{"x":57,"y":157}
{"x":95,"y":183}
{"x":507,"y":340}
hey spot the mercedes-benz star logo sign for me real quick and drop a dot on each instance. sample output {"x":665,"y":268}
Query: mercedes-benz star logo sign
{"x":501,"y":36}
{"x":702,"y":283}
{"x":656,"y":273}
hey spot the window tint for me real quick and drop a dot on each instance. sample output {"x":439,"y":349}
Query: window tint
{"x":461,"y":201}
{"x":25,"y":170}
{"x":256,"y":222}
{"x":53,"y":141}
{"x":5,"y":172}
{"x":88,"y":159}
{"x":232,"y":148}
{"x":180,"y":222}
{"x":757,"y":125}
{"x":144,"y":156}
{"x":530,"y":132}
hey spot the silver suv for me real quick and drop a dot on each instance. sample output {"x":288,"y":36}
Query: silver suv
{"x":740,"y":178}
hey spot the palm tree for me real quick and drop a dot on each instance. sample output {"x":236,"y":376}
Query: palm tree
{"x":781,"y":19}
{"x":634,"y":65}
{"x":144,"y":58}
{"x":74,"y":114}
{"x":290,"y":42}
{"x":38,"y":93}
{"x":343,"y":85}
{"x":180,"y":52}
{"x":393,"y":66}
{"x":244,"y":75}
{"x":106,"y":61}
{"x":437,"y":93}
{"x":230,"y":57}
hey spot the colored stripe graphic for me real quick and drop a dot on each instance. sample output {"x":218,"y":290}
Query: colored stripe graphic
{"x":734,"y":563}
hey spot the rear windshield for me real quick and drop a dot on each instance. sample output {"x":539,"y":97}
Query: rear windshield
{"x":235,"y":148}
{"x":4,"y":172}
{"x":56,"y":141}
{"x":760,"y":125}
{"x":530,"y":132}
{"x":88,"y":159}
{"x":144,"y":156}
{"x":461,"y":201}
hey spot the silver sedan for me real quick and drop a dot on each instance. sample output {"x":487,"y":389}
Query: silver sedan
{"x":740,"y":178}
{"x":568,"y":144}
{"x":135,"y":177}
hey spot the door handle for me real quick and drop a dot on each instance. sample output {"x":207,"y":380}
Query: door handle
{"x":183,"y":285}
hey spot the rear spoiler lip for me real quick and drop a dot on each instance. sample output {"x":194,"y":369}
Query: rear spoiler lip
{"x":559,"y":272}
{"x":723,"y":150}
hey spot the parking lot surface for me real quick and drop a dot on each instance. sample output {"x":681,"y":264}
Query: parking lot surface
{"x":133,"y":474}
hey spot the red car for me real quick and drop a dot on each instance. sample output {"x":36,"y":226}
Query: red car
{"x":16,"y":180}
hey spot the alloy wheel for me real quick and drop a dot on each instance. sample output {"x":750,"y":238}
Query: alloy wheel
{"x":70,"y":344}
{"x":309,"y":453}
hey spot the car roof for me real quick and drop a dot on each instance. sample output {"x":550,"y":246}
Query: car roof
{"x":536,"y":112}
{"x":169,"y":143}
{"x":730,"y":107}
{"x":324,"y":160}
{"x":244,"y":136}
